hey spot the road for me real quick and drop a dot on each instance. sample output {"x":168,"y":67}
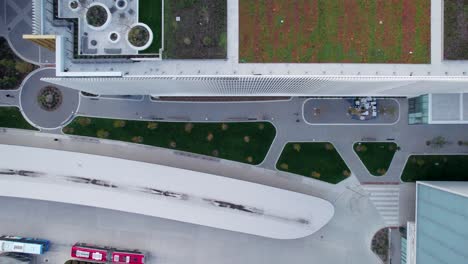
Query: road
{"x":286,"y":115}
{"x":175,"y":242}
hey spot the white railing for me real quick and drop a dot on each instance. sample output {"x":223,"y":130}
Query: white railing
{"x":37,"y":8}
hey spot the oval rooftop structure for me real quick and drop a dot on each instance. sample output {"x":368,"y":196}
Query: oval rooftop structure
{"x":160,"y":191}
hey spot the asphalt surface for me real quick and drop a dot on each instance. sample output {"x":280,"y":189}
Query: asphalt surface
{"x":38,"y":116}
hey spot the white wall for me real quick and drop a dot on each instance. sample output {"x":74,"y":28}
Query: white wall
{"x":267,"y":85}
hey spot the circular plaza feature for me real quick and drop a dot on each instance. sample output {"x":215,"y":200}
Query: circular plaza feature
{"x":44,"y":105}
{"x":114,"y":37}
{"x":140,"y":36}
{"x":74,"y":5}
{"x":49,"y":98}
{"x":98,"y":16}
{"x":121,"y":4}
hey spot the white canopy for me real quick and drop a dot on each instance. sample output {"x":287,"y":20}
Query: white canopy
{"x":160,"y":191}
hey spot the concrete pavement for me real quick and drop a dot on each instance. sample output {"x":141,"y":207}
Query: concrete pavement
{"x":15,"y":20}
{"x":175,"y":242}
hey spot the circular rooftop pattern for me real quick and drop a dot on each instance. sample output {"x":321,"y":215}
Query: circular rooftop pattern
{"x":46,"y":106}
{"x":121,"y":4}
{"x":140,"y":36}
{"x":98,"y":16}
{"x":74,"y":5}
{"x":114,"y":37}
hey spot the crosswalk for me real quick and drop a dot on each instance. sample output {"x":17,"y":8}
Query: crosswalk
{"x":385,"y":197}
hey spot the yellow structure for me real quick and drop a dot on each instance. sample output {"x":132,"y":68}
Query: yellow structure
{"x":46,"y":41}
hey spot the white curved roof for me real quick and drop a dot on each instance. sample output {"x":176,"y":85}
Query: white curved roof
{"x":160,"y":191}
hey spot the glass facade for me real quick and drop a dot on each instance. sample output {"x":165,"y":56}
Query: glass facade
{"x":403,"y":250}
{"x":418,"y":109}
{"x":442,"y":227}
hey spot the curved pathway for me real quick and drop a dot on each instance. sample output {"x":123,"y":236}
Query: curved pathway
{"x":15,"y":20}
{"x":32,"y":110}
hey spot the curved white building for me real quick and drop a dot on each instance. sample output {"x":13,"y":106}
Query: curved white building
{"x":160,"y":191}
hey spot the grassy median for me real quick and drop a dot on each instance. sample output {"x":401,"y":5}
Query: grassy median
{"x":11,"y":117}
{"x":320,"y":161}
{"x":376,"y":156}
{"x":246,"y":142}
{"x":436,"y":168}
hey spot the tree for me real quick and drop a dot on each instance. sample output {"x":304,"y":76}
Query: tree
{"x":438,"y":142}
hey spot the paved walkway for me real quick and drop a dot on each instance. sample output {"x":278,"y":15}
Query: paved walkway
{"x":335,"y":111}
{"x":15,"y":20}
{"x":285,"y":115}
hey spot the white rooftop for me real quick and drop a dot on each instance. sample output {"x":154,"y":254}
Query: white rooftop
{"x":160,"y":191}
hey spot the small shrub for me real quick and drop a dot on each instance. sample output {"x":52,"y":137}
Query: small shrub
{"x":188,"y":127}
{"x":381,"y":171}
{"x":249,"y":159}
{"x":215,"y":153}
{"x":420,"y":162}
{"x":246,"y":139}
{"x":297,"y":147}
{"x":315,"y":174}
{"x":172,"y":144}
{"x":346,"y":173}
{"x":207,"y":41}
{"x":187,"y":41}
{"x":210,"y":136}
{"x":68,"y":130}
{"x":284,"y":166}
{"x":137,"y":139}
{"x":152,"y":125}
{"x":261,"y":126}
{"x":361,"y":148}
{"x":119,"y":123}
{"x":329,"y":146}
{"x":224,"y":127}
{"x":101,"y":133}
{"x":84,"y":121}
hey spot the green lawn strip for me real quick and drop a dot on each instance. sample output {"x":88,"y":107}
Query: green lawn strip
{"x":11,"y":117}
{"x":170,"y":25}
{"x":149,"y":13}
{"x":315,"y":160}
{"x":376,"y":156}
{"x":436,"y":168}
{"x":422,"y":46}
{"x":246,"y":142}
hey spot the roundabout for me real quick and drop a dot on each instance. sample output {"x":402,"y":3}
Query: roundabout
{"x":47,"y":106}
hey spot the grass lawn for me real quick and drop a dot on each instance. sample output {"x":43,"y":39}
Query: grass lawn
{"x":376,"y":156}
{"x":436,"y":168}
{"x":246,"y":142}
{"x":456,"y":29}
{"x":11,"y":117}
{"x":201,"y":32}
{"x":150,"y":13}
{"x":315,"y":160}
{"x":335,"y":31}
